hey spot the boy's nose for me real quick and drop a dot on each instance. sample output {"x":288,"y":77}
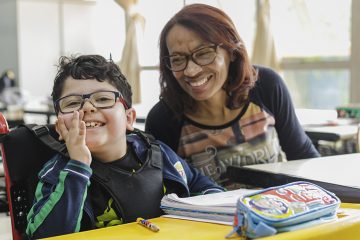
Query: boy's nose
{"x":88,"y":106}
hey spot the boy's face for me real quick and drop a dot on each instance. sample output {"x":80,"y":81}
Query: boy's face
{"x":106,"y":128}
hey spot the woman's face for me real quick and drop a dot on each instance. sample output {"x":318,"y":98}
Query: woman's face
{"x":200,"y":82}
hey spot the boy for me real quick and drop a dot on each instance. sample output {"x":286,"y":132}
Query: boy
{"x":110,"y":177}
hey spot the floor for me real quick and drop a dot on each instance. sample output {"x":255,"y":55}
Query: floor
{"x":5,"y":224}
{"x":5,"y":227}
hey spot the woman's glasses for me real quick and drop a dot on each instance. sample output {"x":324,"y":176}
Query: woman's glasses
{"x":100,"y":99}
{"x":201,"y":57}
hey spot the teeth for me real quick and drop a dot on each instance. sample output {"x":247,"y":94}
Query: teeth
{"x":93,"y":124}
{"x":198,"y":83}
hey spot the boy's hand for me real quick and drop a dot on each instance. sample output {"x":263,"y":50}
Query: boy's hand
{"x":75,"y":137}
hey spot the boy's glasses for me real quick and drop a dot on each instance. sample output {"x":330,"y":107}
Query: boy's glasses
{"x":100,"y":99}
{"x":201,"y":57}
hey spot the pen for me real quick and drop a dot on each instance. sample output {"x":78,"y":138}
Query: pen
{"x":148,"y":224}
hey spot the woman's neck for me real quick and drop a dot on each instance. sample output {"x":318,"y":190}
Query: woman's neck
{"x":213,"y":112}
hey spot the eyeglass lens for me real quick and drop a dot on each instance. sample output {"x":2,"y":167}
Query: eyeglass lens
{"x":202,"y":57}
{"x":73,"y":103}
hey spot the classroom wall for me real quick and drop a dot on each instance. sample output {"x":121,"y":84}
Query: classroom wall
{"x":39,"y":45}
{"x":8,"y":36}
{"x":38,"y":32}
{"x":355,"y":53}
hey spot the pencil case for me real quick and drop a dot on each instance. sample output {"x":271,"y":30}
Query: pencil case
{"x":283,"y":208}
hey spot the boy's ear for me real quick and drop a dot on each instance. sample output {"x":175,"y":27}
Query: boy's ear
{"x":130,"y":118}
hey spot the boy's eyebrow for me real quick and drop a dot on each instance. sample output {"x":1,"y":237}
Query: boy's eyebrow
{"x":98,"y":90}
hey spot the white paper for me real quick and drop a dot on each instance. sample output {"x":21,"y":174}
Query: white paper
{"x":198,"y":219}
{"x":224,"y":199}
{"x":216,"y":206}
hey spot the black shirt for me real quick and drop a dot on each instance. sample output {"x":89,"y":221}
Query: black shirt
{"x":104,"y":209}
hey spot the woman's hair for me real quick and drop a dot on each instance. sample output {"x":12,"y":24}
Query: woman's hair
{"x":214,"y":26}
{"x":90,"y":67}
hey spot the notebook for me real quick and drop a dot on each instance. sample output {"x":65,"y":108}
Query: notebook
{"x":219,"y":207}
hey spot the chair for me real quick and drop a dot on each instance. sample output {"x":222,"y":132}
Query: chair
{"x":23,"y":155}
{"x":358,"y":139}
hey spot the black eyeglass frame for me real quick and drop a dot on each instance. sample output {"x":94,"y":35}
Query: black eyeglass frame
{"x":118,"y":96}
{"x":166,"y":59}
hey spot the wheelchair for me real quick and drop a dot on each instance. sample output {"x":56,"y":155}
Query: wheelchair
{"x":24,"y":149}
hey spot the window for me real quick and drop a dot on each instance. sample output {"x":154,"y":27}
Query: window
{"x":312,"y":45}
{"x":314,"y":49}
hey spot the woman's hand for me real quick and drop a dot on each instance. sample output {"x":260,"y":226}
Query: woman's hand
{"x":74,"y":137}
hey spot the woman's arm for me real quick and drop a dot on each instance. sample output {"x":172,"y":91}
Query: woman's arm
{"x":163,"y":125}
{"x":274,"y":95}
{"x":196,"y":182}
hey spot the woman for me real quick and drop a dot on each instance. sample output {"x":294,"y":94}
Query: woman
{"x":215,"y":108}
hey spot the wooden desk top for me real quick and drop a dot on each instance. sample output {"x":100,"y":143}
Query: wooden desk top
{"x":338,"y":169}
{"x":345,"y":227}
{"x":331,"y":133}
{"x":338,"y":173}
{"x":170,"y":229}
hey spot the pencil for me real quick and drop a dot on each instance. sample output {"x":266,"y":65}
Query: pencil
{"x":148,"y":224}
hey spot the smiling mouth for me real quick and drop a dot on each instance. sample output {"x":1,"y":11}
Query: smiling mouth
{"x":200,"y":82}
{"x":94,"y":124}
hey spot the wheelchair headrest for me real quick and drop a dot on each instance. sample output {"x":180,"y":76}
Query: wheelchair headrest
{"x":25,"y":152}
